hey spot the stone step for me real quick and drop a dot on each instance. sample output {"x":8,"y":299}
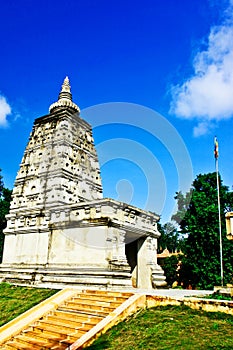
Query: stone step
{"x":60,"y":346}
{"x":74,"y":324}
{"x":44,"y":334}
{"x":91,"y":301}
{"x":75,"y":316}
{"x":16,"y":345}
{"x":68,"y":328}
{"x":58,"y":331}
{"x":27,"y":342}
{"x":108,"y":293}
{"x":85,"y":310}
{"x":9,"y":347}
{"x":82,"y":305}
{"x":104,"y":297}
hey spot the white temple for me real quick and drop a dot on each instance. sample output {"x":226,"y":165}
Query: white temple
{"x":60,"y":230}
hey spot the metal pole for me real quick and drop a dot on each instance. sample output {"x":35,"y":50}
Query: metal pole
{"x":219,"y":221}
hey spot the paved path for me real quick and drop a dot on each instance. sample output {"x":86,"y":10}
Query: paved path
{"x":175,"y":293}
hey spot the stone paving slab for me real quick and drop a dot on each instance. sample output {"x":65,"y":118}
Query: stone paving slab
{"x":175,"y":293}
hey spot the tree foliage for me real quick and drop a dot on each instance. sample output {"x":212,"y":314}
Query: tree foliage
{"x":172,"y":240}
{"x":5,"y":198}
{"x":169,"y":238}
{"x":170,"y":267}
{"x":197,"y":216}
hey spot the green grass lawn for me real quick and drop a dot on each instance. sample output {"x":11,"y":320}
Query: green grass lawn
{"x":170,"y":327}
{"x":16,"y":300}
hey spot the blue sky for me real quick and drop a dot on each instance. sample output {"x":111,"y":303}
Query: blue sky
{"x":173,"y":57}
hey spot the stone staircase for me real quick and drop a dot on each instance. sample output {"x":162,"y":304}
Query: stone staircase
{"x":73,"y":323}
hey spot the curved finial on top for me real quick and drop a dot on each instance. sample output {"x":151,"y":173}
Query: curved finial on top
{"x":66,"y":85}
{"x":64,"y":98}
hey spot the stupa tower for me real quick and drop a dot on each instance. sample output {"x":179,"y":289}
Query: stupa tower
{"x":60,"y":230}
{"x":60,"y":164}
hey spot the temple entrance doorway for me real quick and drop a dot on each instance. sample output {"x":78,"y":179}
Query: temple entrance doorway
{"x":135,"y":252}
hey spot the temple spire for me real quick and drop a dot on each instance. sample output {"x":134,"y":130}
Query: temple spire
{"x":64,"y":98}
{"x":65,"y":90}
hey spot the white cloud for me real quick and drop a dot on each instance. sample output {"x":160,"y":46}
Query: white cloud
{"x":208,"y":95}
{"x":202,"y":128}
{"x":5,"y":110}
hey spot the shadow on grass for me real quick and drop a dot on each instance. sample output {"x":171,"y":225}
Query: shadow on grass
{"x":99,"y":344}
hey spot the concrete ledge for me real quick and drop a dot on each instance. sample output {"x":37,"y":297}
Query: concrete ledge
{"x":224,"y":290}
{"x":65,"y":277}
{"x":211,"y":305}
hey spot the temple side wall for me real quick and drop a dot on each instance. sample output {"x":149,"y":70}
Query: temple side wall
{"x":26,"y":248}
{"x":84,"y":247}
{"x":93,"y":247}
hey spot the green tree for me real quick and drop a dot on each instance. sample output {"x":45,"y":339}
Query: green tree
{"x":5,"y":198}
{"x":170,"y":238}
{"x":197,"y":216}
{"x":171,"y":269}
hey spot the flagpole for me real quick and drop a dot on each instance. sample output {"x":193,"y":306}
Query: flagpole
{"x":219,"y":210}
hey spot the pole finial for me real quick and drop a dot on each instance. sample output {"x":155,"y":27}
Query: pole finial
{"x":216,"y":153}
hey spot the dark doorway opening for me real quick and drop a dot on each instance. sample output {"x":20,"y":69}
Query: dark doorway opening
{"x":131,"y":252}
